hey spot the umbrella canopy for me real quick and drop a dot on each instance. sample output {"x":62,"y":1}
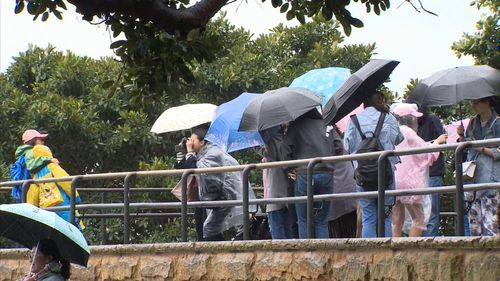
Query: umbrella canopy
{"x":277,"y":107}
{"x":223,"y":130}
{"x":27,"y":224}
{"x":183,"y":117}
{"x":322,"y":81}
{"x":453,"y":85}
{"x":351,"y":94}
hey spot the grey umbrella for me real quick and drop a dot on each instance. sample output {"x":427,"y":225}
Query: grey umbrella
{"x":451,"y":86}
{"x":351,"y":94}
{"x":277,"y":107}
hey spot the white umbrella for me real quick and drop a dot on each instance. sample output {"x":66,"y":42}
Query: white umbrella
{"x":184,"y":117}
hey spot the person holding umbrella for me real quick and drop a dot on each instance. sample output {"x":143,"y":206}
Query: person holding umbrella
{"x":47,"y":263}
{"x":482,"y":215}
{"x":375,"y":104}
{"x":306,"y":138}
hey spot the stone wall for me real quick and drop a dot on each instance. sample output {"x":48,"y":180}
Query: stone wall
{"x":446,"y":259}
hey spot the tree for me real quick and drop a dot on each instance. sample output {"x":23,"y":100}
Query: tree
{"x":163,"y":38}
{"x":100,"y":129}
{"x":484,"y":44}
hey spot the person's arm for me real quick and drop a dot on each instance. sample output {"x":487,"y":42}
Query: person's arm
{"x":33,"y":163}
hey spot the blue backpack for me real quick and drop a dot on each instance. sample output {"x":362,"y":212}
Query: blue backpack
{"x":18,"y":171}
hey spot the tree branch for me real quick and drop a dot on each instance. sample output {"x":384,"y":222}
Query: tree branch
{"x":168,"y":18}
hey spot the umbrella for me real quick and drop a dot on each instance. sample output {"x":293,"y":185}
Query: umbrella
{"x":223,"y":130}
{"x":323,"y":81}
{"x":351,"y":94}
{"x":277,"y":107}
{"x":27,"y":224}
{"x":183,"y":117}
{"x":453,"y":85}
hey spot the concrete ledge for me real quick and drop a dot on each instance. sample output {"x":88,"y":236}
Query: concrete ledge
{"x":443,"y":258}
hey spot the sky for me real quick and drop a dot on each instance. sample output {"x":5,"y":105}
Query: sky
{"x":420,"y":41}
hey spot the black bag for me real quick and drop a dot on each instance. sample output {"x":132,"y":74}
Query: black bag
{"x":366,"y":174}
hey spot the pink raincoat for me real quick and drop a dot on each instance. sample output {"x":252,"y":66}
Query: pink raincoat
{"x":412,"y":171}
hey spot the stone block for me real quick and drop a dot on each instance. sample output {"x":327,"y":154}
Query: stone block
{"x":192,"y":267}
{"x":272,"y":267}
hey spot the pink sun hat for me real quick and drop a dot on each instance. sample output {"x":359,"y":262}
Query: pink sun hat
{"x":31,"y":134}
{"x":403,"y":109}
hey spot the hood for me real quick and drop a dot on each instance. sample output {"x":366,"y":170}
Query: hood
{"x":21,"y":150}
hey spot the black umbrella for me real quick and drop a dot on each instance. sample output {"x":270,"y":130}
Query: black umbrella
{"x":351,"y":94}
{"x":451,"y":86}
{"x":277,"y":107}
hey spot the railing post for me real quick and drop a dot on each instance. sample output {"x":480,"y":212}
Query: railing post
{"x":25,"y":187}
{"x":126,"y":207}
{"x":72,"y":201}
{"x":310,"y":196}
{"x":246,"y":213}
{"x":184,"y":181}
{"x":381,"y":192}
{"x":459,"y":182}
{"x":104,"y":237}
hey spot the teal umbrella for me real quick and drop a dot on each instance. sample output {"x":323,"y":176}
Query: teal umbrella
{"x":322,"y":81}
{"x":27,"y":224}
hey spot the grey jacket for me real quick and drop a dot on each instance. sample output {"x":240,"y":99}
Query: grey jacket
{"x":487,"y":168}
{"x":278,"y":185}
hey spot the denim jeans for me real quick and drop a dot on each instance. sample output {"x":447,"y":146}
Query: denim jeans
{"x":322,"y":184}
{"x":369,"y":215}
{"x":280,"y":224}
{"x":433,"y":224}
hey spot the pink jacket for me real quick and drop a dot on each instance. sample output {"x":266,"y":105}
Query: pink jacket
{"x":412,"y":171}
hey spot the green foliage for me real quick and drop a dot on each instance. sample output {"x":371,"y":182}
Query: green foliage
{"x":97,"y":121}
{"x":484,"y":44}
{"x":159,"y":51}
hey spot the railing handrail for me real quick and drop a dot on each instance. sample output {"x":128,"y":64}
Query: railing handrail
{"x":381,"y":193}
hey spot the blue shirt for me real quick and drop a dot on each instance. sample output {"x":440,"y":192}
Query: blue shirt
{"x":390,"y":136}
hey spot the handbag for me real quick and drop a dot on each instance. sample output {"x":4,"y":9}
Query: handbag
{"x":469,"y":170}
{"x":49,"y":194}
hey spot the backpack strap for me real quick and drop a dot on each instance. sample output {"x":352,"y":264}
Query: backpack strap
{"x":355,"y":121}
{"x":379,"y":124}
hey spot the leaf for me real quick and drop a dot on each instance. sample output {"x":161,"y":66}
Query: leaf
{"x":57,"y":14}
{"x":284,"y":8}
{"x":107,"y":84}
{"x":45,"y":16}
{"x":356,"y":22}
{"x":301,"y":18}
{"x":117,"y":44}
{"x":193,"y":34}
{"x":290,"y":14}
{"x":19,"y":7}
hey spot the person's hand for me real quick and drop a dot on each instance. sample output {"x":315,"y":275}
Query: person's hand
{"x":292,"y":175}
{"x":189,"y":145}
{"x":442,"y":139}
{"x":55,"y":161}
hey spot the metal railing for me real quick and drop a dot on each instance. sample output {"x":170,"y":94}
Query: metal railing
{"x":380,"y":194}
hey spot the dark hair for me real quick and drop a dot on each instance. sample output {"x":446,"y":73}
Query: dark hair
{"x":368,"y":101}
{"x":31,"y":142}
{"x":49,"y":248}
{"x":200,"y":130}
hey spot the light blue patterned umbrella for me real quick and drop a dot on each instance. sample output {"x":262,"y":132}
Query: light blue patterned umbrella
{"x":322,"y":81}
{"x":27,"y":224}
{"x":223,"y":130}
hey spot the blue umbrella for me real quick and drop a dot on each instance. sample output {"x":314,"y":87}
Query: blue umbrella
{"x":224,"y":128}
{"x":27,"y":224}
{"x":322,"y":81}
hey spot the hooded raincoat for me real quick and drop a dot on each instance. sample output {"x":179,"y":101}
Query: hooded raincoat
{"x":219,"y":186}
